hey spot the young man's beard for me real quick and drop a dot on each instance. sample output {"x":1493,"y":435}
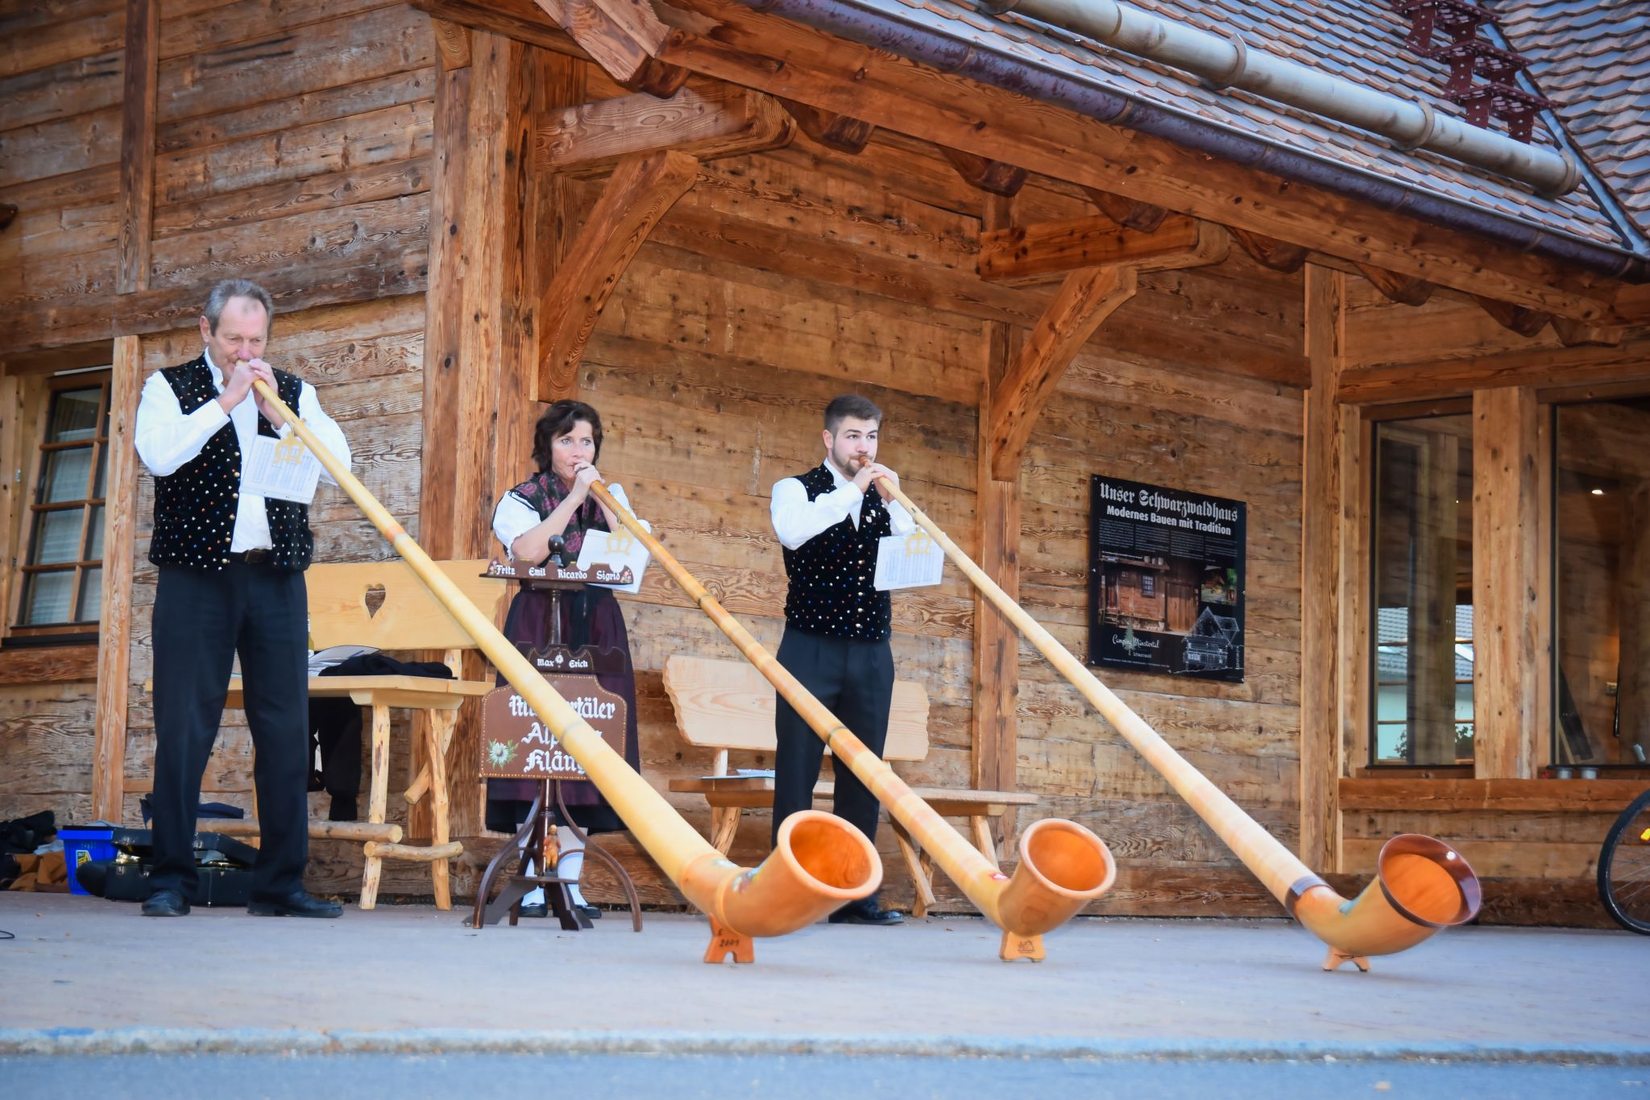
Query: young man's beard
{"x":853,"y":464}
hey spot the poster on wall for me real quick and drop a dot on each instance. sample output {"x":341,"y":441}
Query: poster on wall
{"x":1165,"y":580}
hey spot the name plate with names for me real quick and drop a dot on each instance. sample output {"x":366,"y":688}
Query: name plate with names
{"x":595,"y":573}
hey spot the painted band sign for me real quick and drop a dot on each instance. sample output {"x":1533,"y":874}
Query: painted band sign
{"x":517,"y":744}
{"x":1166,"y":580}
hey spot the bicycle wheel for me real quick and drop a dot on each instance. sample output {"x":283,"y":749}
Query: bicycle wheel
{"x":1624,"y":867}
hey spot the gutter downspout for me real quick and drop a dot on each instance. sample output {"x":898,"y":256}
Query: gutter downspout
{"x":886,"y":31}
{"x":1226,"y":61}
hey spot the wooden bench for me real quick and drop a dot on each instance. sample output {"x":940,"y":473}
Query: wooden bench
{"x":386,"y":606}
{"x":729,"y":705}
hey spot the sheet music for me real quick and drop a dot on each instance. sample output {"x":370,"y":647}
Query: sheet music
{"x":908,"y":561}
{"x":617,"y":549}
{"x":281,"y":468}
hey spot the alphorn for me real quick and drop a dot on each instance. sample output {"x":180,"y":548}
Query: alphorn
{"x":1421,"y":883}
{"x":818,"y":865}
{"x":1062,"y":866}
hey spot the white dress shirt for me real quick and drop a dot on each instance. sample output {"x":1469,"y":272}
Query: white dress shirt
{"x":166,"y":440}
{"x":514,"y":517}
{"x":796,"y":519}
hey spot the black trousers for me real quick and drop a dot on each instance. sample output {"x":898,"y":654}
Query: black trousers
{"x":201,"y":621}
{"x":855,"y":680}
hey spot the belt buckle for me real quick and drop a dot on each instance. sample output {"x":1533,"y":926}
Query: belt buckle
{"x":253,"y":557}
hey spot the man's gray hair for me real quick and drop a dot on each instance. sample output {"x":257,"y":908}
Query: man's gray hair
{"x":236,"y":288}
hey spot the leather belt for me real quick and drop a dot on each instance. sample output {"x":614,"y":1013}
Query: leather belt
{"x":251,"y":557}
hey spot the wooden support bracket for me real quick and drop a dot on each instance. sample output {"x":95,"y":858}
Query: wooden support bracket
{"x":715,"y":121}
{"x":991,"y":176}
{"x":1525,"y":322}
{"x":1574,"y":334}
{"x":1035,"y":253}
{"x":1082,"y":304}
{"x":840,"y":132}
{"x":1404,"y":289}
{"x":1126,"y":212}
{"x":1268,"y":252}
{"x":641,"y":190}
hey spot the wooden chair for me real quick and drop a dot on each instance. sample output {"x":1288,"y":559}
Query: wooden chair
{"x":385,"y":605}
{"x":728,"y":706}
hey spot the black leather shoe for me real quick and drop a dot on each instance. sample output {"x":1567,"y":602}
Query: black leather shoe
{"x":537,"y":909}
{"x":296,"y":904}
{"x":865,"y":911}
{"x":165,"y":903}
{"x":590,"y":911}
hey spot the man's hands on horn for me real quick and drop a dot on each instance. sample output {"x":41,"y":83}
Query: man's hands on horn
{"x":239,"y":384}
{"x":870,"y":474}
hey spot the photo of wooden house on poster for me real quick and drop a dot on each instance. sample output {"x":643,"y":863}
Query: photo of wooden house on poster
{"x":1165,"y":580}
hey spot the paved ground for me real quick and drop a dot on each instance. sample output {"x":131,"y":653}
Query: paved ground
{"x":85,"y":976}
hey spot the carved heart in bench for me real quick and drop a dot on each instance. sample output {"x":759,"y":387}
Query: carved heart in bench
{"x":375,"y":599}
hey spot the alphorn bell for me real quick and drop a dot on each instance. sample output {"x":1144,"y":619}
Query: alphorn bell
{"x":1421,"y":884}
{"x":1062,"y":866}
{"x":820,"y":863}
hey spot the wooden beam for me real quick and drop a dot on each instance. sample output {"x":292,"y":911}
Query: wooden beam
{"x":839,"y":132}
{"x":452,"y":42}
{"x":641,"y":190}
{"x":1525,"y":322}
{"x":443,"y":310}
{"x":137,"y":190}
{"x":624,"y":37}
{"x":1128,"y":213}
{"x":1081,"y":306}
{"x":137,"y":145}
{"x":994,"y":762}
{"x":992,"y":176}
{"x":1430,"y":796}
{"x":1510,"y":642}
{"x":1632,"y":304}
{"x":114,"y":638}
{"x":1025,"y":253}
{"x":521,"y":20}
{"x":1270,"y":252}
{"x":1404,"y":289}
{"x":1356,"y":611}
{"x":1393,"y":382}
{"x":708,"y":122}
{"x":1321,"y":489}
{"x":739,"y":44}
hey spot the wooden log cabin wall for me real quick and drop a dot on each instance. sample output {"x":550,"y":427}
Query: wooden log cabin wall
{"x":464,"y":208}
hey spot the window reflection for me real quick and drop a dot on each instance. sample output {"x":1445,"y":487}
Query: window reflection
{"x":1423,"y":592}
{"x":1601,"y":490}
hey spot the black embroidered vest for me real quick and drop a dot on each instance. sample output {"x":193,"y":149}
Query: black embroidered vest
{"x":831,"y":590}
{"x":195,"y":505}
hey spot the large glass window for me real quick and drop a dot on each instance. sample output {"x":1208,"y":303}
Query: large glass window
{"x":61,"y":558}
{"x":1423,"y":652}
{"x":1601,"y":612}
